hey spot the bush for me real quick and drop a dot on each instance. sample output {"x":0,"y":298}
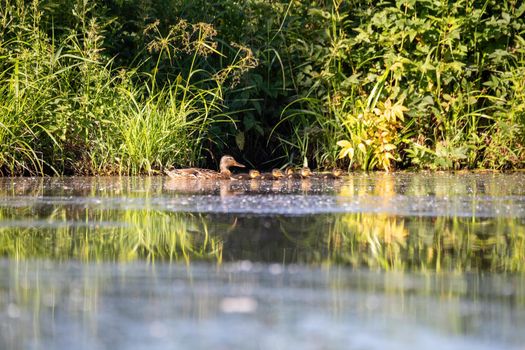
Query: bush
{"x":135,"y":86}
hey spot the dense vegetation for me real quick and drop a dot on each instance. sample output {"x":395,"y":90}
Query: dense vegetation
{"x":125,"y":86}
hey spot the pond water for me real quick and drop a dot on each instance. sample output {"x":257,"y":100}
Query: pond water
{"x":371,"y":261}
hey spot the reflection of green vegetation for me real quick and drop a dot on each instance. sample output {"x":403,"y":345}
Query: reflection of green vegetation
{"x":462,"y":244}
{"x":64,"y":230}
{"x":110,"y":235}
{"x":359,"y":239}
{"x":450,"y":243}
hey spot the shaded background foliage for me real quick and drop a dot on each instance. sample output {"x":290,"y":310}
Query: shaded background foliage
{"x":359,"y":84}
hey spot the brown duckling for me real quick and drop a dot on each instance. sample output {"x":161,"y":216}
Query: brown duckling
{"x":198,"y":173}
{"x":337,"y":172}
{"x":276,"y":174}
{"x":252,"y":174}
{"x":290,"y":173}
{"x":334,"y":174}
{"x":305,"y":172}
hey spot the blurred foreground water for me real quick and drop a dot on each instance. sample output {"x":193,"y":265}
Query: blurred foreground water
{"x":398,"y":261}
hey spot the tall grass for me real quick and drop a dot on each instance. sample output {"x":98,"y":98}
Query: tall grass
{"x":132,"y":87}
{"x":66,"y":109}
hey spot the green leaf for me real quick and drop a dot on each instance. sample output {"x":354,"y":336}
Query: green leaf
{"x":520,"y":10}
{"x":389,"y":147}
{"x":239,"y":140}
{"x":344,"y":143}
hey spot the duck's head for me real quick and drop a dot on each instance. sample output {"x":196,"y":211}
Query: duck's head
{"x":227,"y":162}
{"x":289,"y":171}
{"x":254,"y":174}
{"x":277,"y":173}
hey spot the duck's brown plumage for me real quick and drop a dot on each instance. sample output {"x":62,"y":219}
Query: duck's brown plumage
{"x":198,"y":173}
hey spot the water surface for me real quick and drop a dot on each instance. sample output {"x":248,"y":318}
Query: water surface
{"x":368,"y":262}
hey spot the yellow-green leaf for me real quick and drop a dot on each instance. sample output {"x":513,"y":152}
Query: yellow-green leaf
{"x":389,"y":147}
{"x":389,"y":156}
{"x":344,"y":143}
{"x":349,"y":151}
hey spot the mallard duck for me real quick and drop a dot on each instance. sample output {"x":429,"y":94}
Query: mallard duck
{"x":252,"y":174}
{"x":197,"y":173}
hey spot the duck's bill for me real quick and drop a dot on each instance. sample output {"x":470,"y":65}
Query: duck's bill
{"x":239,"y":165}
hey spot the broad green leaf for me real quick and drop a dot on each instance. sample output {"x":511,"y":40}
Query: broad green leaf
{"x":240,"y":140}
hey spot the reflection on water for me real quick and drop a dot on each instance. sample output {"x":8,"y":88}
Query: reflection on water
{"x":372,"y":240}
{"x":51,"y":305}
{"x":369,"y":262}
{"x":123,"y":219}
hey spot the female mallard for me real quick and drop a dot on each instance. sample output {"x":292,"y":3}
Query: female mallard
{"x":197,"y":173}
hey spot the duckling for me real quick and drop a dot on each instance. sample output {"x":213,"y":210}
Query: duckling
{"x":276,"y":174}
{"x":334,"y":174}
{"x":337,"y":172}
{"x":291,"y":173}
{"x":252,"y":174}
{"x":305,"y":172}
{"x":198,"y":173}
